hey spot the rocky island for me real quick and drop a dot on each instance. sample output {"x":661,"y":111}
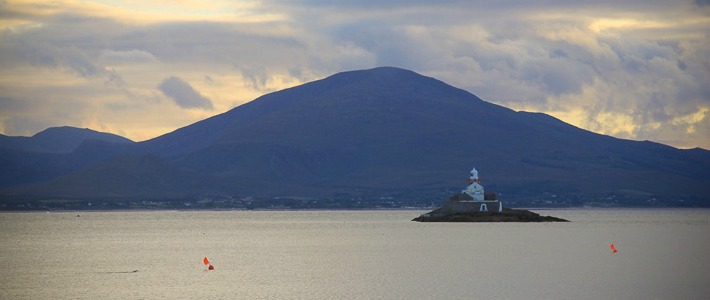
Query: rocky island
{"x":507,"y":215}
{"x":475,"y":205}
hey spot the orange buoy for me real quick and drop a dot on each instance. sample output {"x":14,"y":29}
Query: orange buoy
{"x":207,"y":262}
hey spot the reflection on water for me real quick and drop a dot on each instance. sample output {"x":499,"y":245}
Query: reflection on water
{"x":353,"y":255}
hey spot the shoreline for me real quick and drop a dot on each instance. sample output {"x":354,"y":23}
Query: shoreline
{"x":359,"y":209}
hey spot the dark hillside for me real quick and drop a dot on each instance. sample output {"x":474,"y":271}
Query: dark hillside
{"x":387,"y":133}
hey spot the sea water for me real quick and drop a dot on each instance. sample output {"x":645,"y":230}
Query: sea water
{"x":662,"y":254}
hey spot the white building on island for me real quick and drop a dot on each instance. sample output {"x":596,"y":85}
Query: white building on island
{"x":473,"y":198}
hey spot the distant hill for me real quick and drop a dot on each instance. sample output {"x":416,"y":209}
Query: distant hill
{"x":387,"y":135}
{"x":48,"y":154}
{"x":58,"y":140}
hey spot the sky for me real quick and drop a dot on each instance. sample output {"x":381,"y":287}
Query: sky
{"x":637,"y":69}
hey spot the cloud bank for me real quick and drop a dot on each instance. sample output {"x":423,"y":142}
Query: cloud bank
{"x":632,"y":69}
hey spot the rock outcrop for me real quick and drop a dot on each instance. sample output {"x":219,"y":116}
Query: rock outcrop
{"x":507,"y":215}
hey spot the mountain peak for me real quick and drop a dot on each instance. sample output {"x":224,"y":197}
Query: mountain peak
{"x":392,"y":77}
{"x":59,"y":131}
{"x":62,"y":139}
{"x":384,"y":72}
{"x":391,"y":131}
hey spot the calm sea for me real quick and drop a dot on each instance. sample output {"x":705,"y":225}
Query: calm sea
{"x":662,"y":254}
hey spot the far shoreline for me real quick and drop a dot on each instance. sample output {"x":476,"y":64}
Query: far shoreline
{"x":587,"y":208}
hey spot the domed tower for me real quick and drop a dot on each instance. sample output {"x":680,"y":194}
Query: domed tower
{"x":474,"y":176}
{"x":475,"y":189}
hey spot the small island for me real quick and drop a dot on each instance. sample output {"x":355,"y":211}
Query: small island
{"x":507,"y":215}
{"x":475,"y":205}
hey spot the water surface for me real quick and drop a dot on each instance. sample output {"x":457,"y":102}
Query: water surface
{"x":353,"y":255}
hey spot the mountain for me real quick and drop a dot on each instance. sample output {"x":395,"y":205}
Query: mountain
{"x":57,"y":140}
{"x":386,"y":134}
{"x":48,"y":154}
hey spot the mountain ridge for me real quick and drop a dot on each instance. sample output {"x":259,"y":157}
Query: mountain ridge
{"x":63,"y":139}
{"x":388,"y":131}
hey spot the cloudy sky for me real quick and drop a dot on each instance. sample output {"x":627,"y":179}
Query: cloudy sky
{"x":637,"y":69}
